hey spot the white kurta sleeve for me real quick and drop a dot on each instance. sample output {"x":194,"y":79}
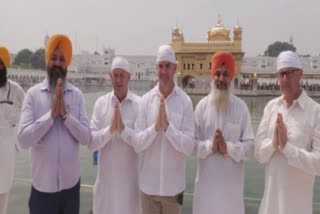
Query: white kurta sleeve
{"x":182,"y":139}
{"x":202,"y":148}
{"x":144,"y":135}
{"x":100,"y":136}
{"x":308,"y":161}
{"x":263,"y":149}
{"x":244,"y":148}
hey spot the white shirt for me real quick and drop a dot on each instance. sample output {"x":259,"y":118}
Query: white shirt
{"x":116,"y":189}
{"x":163,"y":166}
{"x":10,"y":107}
{"x":53,"y":143}
{"x":220,"y":182}
{"x":289,"y":175}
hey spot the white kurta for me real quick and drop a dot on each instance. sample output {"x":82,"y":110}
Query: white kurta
{"x":220,"y":182}
{"x":116,"y":189}
{"x":289,"y":175}
{"x":9,"y":117}
{"x":163,"y":165}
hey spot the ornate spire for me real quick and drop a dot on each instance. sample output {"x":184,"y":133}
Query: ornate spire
{"x":176,"y":34}
{"x":219,"y":19}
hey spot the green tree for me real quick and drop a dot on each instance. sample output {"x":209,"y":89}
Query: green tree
{"x":277,"y":47}
{"x":23,"y":57}
{"x":38,"y":59}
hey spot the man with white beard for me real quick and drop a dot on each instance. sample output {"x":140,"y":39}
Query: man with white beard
{"x":224,"y":138}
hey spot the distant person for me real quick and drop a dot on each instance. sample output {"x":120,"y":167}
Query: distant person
{"x":53,"y":124}
{"x":288,"y":143}
{"x":224,"y":138}
{"x":166,"y":126}
{"x":11,"y":99}
{"x":116,"y":190}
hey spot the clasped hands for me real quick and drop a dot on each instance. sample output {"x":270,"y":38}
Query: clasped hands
{"x":162,"y":119}
{"x":219,"y":144}
{"x":116,"y":124}
{"x":58,"y":108}
{"x":280,"y":136}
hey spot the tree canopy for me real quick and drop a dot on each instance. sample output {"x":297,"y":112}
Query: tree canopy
{"x":277,"y":47}
{"x":23,"y":57}
{"x":35,"y":60}
{"x":38,"y":59}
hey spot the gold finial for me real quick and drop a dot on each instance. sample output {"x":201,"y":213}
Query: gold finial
{"x":219,"y":19}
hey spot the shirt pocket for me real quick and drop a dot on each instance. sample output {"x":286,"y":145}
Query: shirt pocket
{"x":176,"y":120}
{"x":129,"y":122}
{"x":233,"y":132}
{"x":73,"y":110}
{"x":300,"y":134}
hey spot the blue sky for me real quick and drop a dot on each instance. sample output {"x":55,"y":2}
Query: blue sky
{"x":138,"y":27}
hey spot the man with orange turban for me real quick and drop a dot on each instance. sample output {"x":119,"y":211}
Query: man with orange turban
{"x":223,"y":139}
{"x":11,"y":98}
{"x":53,"y":124}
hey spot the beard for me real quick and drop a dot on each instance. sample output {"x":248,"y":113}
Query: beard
{"x":55,"y":73}
{"x":3,"y":77}
{"x":220,"y":98}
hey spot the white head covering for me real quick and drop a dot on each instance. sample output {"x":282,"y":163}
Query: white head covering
{"x":288,"y":59}
{"x":120,"y":62}
{"x":166,"y":53}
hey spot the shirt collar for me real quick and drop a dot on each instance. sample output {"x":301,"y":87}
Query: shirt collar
{"x":129,"y":96}
{"x":175,"y":90}
{"x":45,"y":85}
{"x":301,"y":100}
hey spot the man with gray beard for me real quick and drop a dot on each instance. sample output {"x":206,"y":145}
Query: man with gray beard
{"x":224,"y":138}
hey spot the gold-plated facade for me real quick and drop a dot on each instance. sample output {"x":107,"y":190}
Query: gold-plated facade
{"x":194,"y":58}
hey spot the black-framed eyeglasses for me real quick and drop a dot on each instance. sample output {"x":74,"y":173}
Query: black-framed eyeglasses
{"x":288,"y":74}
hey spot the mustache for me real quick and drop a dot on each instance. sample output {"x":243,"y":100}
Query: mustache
{"x":57,"y":68}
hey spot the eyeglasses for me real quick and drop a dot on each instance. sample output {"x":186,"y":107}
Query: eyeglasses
{"x":288,"y":74}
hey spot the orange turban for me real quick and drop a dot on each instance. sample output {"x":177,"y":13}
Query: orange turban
{"x":5,"y":56}
{"x":220,"y":58}
{"x":65,"y":46}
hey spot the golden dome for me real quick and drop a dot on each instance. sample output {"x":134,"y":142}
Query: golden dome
{"x":237,"y":28}
{"x":219,"y":32}
{"x":176,"y":34}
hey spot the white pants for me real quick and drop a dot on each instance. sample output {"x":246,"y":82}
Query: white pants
{"x":3,"y":202}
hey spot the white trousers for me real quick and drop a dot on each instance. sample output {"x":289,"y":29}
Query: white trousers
{"x":3,"y":202}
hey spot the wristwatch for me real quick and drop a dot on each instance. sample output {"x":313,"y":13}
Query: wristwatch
{"x":64,"y":117}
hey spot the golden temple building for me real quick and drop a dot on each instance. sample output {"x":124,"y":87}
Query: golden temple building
{"x":194,"y":58}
